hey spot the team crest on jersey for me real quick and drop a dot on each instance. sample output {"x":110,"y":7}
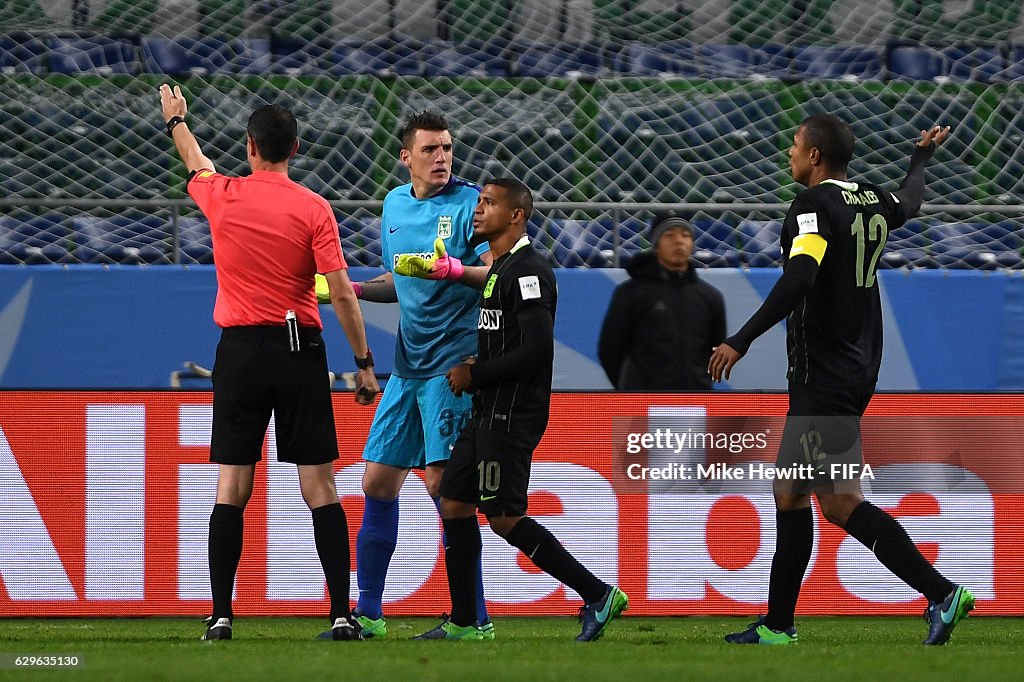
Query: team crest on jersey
{"x":489,"y":320}
{"x":444,"y":226}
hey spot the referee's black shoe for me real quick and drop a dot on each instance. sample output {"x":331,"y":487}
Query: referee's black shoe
{"x":216,"y":629}
{"x":343,"y":630}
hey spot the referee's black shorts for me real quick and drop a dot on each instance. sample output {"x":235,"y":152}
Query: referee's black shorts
{"x":822,"y":434}
{"x":490,"y":469}
{"x":254,"y":375}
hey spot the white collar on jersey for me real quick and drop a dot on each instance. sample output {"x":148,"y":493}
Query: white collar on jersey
{"x":523,"y":241}
{"x":848,"y":186}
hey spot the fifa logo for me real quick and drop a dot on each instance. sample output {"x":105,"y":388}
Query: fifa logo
{"x":444,"y":226}
{"x":490,"y":320}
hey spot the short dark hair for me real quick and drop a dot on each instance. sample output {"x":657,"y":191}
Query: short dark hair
{"x":274,"y":130}
{"x":833,"y":137}
{"x":518,"y":194}
{"x":421,"y":120}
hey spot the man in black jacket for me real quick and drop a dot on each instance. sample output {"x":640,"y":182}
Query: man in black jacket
{"x":662,"y":324}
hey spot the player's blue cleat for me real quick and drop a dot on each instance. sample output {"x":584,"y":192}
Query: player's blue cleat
{"x":448,"y":630}
{"x":219,"y":629}
{"x":759,"y":633}
{"x":597,"y":615}
{"x":944,"y":616}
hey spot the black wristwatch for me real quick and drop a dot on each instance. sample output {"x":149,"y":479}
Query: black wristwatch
{"x":365,"y":363}
{"x":171,"y":122}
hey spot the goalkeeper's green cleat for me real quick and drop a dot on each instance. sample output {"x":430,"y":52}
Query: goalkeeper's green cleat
{"x":323,"y":292}
{"x":449,"y":631}
{"x":759,"y":633}
{"x":943,"y":617}
{"x":372,"y":627}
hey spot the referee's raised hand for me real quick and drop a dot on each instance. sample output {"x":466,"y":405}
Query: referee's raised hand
{"x":172,"y":102}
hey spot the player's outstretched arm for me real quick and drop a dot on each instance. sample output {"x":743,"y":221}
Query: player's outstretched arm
{"x":174,"y":107}
{"x":377,"y":290}
{"x":346,"y":307}
{"x":911,"y":191}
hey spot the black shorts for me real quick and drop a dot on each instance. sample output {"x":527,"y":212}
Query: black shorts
{"x":821,"y":444}
{"x":255,"y":375}
{"x":490,"y":469}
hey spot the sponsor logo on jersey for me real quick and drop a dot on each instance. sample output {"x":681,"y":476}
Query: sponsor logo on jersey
{"x":427,"y":255}
{"x":444,"y":226}
{"x":489,"y":320}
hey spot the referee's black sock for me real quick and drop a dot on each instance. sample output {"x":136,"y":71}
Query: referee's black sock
{"x":330,"y":533}
{"x":794,"y":540}
{"x":225,"y":550}
{"x":461,"y":559}
{"x":889,"y":542}
{"x":544,"y":549}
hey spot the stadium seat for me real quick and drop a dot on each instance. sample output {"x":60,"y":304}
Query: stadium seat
{"x":296,"y":57}
{"x":465,"y":59}
{"x":1014,"y":65}
{"x":744,"y":61}
{"x":360,"y":240}
{"x":580,"y":243}
{"x":195,"y":245}
{"x":557,"y":60}
{"x":352,"y":58}
{"x":131,"y":238}
{"x":714,"y":244}
{"x":856,"y":62}
{"x":759,"y":242}
{"x":641,"y":59}
{"x":974,"y":63}
{"x":917,"y":62}
{"x":96,"y":55}
{"x":21,"y":53}
{"x":906,"y":247}
{"x":185,"y":56}
{"x":32,"y":240}
{"x":972,"y":246}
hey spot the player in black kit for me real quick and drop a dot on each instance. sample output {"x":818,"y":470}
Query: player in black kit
{"x":832,"y":238}
{"x":511,"y":380}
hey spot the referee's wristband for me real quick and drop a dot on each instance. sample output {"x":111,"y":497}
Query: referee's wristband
{"x":173,"y":121}
{"x":365,"y":363}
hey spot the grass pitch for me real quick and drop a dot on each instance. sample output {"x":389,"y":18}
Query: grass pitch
{"x":633,"y":649}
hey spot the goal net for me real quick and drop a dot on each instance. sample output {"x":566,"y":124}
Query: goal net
{"x":607,"y":109}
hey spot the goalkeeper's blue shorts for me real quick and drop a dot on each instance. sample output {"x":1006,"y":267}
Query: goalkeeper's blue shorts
{"x":417,"y":423}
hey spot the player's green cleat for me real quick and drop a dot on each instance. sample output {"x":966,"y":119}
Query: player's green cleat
{"x":944,"y":616}
{"x":372,"y":627}
{"x":487,"y":629}
{"x":323,"y":292}
{"x":449,"y":631}
{"x":597,"y":615}
{"x":759,"y":633}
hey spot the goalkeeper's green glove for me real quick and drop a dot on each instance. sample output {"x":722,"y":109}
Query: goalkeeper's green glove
{"x":438,"y":266}
{"x":323,"y":291}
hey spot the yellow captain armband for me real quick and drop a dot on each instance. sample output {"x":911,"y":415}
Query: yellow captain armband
{"x":812,"y":245}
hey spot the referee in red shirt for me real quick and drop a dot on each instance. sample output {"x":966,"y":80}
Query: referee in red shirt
{"x":270,"y":236}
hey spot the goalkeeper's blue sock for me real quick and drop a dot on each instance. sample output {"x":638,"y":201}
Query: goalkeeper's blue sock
{"x":375,"y":544}
{"x":481,"y":600}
